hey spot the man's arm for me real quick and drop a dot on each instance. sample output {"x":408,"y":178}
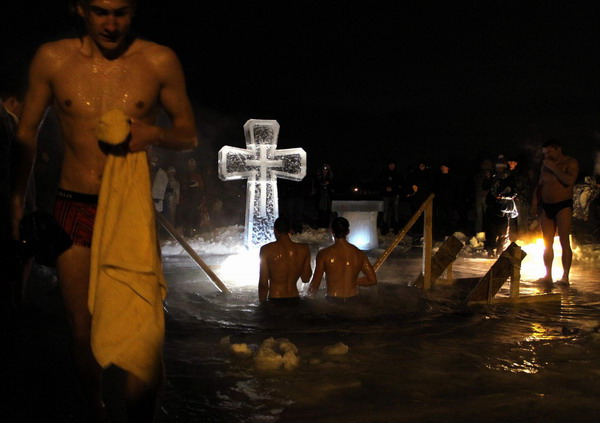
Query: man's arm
{"x":263,"y":281}
{"x":534,"y":209}
{"x":369,"y":278}
{"x":37,"y":100}
{"x":173,"y":97}
{"x":317,"y":276}
{"x":569,"y":176}
{"x":306,"y":269}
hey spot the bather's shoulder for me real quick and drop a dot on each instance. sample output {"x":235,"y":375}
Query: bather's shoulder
{"x":158,"y":53}
{"x":54,"y":50}
{"x":51,"y":56}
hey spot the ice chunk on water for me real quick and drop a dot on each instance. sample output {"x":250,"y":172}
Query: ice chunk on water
{"x":338,"y":349}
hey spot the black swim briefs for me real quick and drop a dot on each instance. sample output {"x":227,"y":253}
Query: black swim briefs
{"x":552,"y":209}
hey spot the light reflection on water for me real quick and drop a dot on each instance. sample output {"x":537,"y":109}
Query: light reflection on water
{"x":410,"y":359}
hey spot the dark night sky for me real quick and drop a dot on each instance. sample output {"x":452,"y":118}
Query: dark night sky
{"x":360,"y":83}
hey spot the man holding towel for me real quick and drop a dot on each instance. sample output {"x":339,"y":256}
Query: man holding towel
{"x":82,"y":78}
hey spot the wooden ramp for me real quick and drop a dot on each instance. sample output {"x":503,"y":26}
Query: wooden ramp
{"x":441,"y":260}
{"x":482,"y":290}
{"x":490,"y":284}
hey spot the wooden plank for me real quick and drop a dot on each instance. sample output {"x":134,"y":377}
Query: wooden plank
{"x":402,"y":233}
{"x":441,"y":260}
{"x":188,"y":248}
{"x":427,"y":245}
{"x":493,"y":280}
{"x":525,"y":299}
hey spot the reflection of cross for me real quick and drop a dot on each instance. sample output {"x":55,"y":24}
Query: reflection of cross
{"x":261,"y":164}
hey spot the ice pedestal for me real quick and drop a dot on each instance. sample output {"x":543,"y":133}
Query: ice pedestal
{"x":261,"y":164}
{"x":362,"y":216}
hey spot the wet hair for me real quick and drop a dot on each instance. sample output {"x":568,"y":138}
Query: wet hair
{"x":282,"y":225}
{"x":340,"y":227}
{"x":552,"y":143}
{"x":74,"y":3}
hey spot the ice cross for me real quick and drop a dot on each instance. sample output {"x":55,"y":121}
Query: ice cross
{"x":261,"y":164}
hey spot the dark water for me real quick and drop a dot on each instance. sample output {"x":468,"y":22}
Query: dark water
{"x":410,"y":358}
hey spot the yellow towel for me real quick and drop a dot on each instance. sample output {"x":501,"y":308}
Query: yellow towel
{"x":127,"y":285}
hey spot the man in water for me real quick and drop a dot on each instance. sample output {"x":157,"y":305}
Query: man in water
{"x":342,"y":262}
{"x":281,"y":264}
{"x":107,"y":68}
{"x":554,"y":196}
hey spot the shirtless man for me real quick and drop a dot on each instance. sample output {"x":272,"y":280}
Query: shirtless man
{"x":82,"y":78}
{"x":281,"y":264}
{"x":553,"y":199}
{"x":342,"y":262}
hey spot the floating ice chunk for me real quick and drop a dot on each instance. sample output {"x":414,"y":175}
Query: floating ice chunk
{"x":275,"y":353}
{"x":241,"y":350}
{"x":269,"y":344}
{"x":267,"y":359}
{"x":338,"y":349}
{"x":285,"y":346}
{"x":225,"y":343}
{"x":290,"y":360}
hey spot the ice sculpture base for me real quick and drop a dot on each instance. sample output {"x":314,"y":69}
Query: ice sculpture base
{"x":362,"y":216}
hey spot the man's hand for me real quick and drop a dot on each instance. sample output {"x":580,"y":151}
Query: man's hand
{"x":550,"y":165}
{"x":143,"y":135}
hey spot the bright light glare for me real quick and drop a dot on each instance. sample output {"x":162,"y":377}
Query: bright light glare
{"x":241,"y":270}
{"x":532,"y":266}
{"x":360,"y":239}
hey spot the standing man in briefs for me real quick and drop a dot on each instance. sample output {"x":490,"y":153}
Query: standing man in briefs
{"x":553,"y":200}
{"x":342,"y":262}
{"x":281,"y":264}
{"x":105,"y":69}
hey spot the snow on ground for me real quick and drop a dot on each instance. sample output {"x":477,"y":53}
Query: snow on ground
{"x":229,"y":240}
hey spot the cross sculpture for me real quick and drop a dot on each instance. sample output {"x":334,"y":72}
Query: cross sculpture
{"x":261,"y":164}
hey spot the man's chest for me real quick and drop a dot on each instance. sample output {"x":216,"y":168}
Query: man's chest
{"x":88,"y":89}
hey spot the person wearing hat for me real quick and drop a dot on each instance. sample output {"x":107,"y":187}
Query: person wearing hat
{"x":524,"y":185}
{"x":500,"y":207}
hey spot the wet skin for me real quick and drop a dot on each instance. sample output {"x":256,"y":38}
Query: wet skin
{"x":282,"y":263}
{"x":82,"y":79}
{"x":557,"y":178}
{"x":342,"y":263}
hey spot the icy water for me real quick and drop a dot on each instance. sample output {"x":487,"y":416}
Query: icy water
{"x":410,"y":358}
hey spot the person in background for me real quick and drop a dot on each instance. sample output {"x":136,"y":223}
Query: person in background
{"x":159,"y":180}
{"x":524,"y":187}
{"x":171,"y":196}
{"x":192,"y":195}
{"x":485,"y":172}
{"x":391,"y":185}
{"x":502,"y":191}
{"x":10,"y":110}
{"x":419,"y":187}
{"x":324,"y":192}
{"x":445,"y":205}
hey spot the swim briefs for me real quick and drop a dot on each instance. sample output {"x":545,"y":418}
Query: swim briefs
{"x":75,"y":213}
{"x":552,"y":209}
